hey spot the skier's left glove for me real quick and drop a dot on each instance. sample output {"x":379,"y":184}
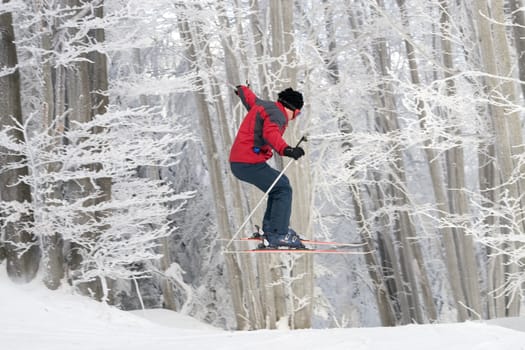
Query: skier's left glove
{"x":237,"y":88}
{"x":293,"y":152}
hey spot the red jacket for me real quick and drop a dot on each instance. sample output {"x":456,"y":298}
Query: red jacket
{"x":261,"y":130}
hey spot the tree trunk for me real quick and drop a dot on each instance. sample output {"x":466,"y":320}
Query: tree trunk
{"x":508,"y":138}
{"x":382,"y":291}
{"x":518,"y":19}
{"x":261,"y":50}
{"x":382,"y":294}
{"x":488,"y":187}
{"x":79,"y":108}
{"x":215,"y":173}
{"x":298,"y":174}
{"x":21,"y":265}
{"x":251,"y":292}
{"x":98,"y":84}
{"x":456,"y":183}
{"x":82,"y":87}
{"x":412,"y":280}
{"x":513,"y":118}
{"x":53,"y":104}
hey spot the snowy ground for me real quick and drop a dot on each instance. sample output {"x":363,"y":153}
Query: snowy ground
{"x":33,"y":318}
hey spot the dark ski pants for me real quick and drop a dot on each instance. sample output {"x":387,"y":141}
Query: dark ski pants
{"x":279,"y":205}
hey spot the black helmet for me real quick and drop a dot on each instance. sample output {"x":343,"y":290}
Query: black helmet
{"x":291,"y":99}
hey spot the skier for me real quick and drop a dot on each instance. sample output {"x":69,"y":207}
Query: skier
{"x":259,"y":133}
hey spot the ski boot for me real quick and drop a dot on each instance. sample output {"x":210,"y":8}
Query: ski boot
{"x":258,"y":233}
{"x":287,"y":240}
{"x":292,"y":232}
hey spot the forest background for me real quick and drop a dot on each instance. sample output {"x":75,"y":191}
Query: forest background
{"x":117,"y":118}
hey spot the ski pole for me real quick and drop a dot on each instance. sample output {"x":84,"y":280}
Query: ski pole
{"x":303,"y":138}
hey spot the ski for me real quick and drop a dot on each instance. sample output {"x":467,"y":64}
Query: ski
{"x":295,"y":250}
{"x":304,"y":241}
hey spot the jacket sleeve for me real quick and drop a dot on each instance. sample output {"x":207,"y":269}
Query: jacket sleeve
{"x":273,"y":135}
{"x":248,"y":98}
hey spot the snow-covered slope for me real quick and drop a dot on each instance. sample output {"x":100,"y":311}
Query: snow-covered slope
{"x":33,"y":318}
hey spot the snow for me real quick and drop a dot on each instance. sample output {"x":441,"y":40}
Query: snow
{"x":34,"y":318}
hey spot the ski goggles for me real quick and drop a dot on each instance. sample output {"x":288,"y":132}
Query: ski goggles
{"x":296,"y":111}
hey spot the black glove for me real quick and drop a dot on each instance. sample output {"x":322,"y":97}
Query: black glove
{"x":293,"y":152}
{"x":239,"y":86}
{"x":237,"y":90}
